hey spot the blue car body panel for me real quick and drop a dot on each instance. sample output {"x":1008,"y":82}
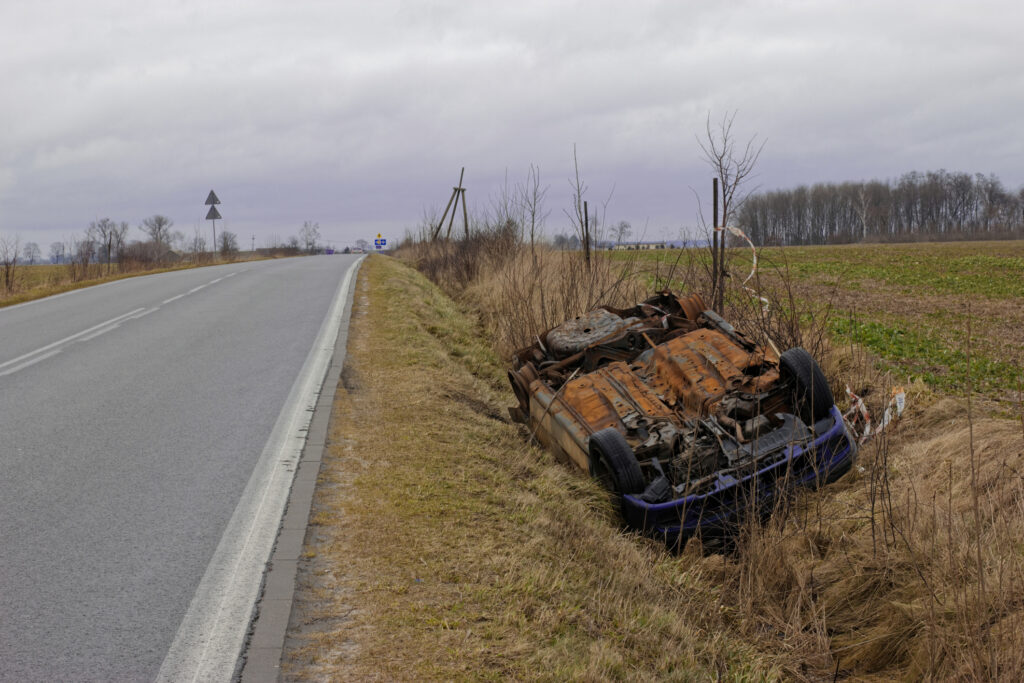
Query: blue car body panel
{"x":819,"y":462}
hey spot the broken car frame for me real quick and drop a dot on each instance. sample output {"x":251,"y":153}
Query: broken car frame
{"x":690,"y":422}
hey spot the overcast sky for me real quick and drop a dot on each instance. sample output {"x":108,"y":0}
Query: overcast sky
{"x":359,"y":115}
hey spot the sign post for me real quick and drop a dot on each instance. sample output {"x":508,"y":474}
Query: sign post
{"x":212,"y":215}
{"x":380,"y":242}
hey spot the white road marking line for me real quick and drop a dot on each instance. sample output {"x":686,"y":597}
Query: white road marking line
{"x":230,"y":275}
{"x":212,"y":634}
{"x":173,"y":298}
{"x":97,"y":333}
{"x":213,"y":282}
{"x":195,"y":289}
{"x":65,"y":340}
{"x":16,"y":368}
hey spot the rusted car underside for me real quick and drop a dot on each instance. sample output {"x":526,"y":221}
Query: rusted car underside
{"x":699,"y":405}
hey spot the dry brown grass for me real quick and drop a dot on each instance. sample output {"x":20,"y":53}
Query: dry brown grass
{"x":40,"y":281}
{"x":518,"y":292}
{"x":443,"y":547}
{"x":910,"y":567}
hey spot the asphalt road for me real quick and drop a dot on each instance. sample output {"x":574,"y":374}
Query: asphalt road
{"x":132,"y":418}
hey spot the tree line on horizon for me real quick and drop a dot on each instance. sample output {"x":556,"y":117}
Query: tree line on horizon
{"x":935,"y":205}
{"x":105,"y":245}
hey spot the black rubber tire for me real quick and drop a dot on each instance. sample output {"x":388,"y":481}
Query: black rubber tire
{"x":611,"y":457}
{"x":813,"y":398}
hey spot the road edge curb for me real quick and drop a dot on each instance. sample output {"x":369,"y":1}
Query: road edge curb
{"x":260,"y":660}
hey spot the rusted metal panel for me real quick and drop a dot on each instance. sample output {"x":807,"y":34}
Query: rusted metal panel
{"x":603,"y":397}
{"x":697,"y":369}
{"x":693,"y":415}
{"x":557,"y":427}
{"x":664,"y":361}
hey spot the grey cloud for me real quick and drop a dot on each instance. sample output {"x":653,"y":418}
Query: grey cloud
{"x":359,"y":114}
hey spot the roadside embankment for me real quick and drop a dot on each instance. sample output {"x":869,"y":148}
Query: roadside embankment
{"x":441,"y":546}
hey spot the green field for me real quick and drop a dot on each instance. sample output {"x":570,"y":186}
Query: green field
{"x":915,"y":306}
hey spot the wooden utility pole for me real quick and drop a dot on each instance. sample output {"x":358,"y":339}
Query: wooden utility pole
{"x":453,"y":204}
{"x":465,"y":214}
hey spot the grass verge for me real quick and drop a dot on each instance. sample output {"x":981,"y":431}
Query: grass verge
{"x":41,"y":281}
{"x":443,"y":547}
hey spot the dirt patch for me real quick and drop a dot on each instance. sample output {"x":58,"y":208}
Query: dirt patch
{"x":476,"y":405}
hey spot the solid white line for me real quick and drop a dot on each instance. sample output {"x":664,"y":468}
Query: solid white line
{"x":210,"y":638}
{"x":173,"y":298}
{"x":213,"y":282}
{"x":65,"y":340}
{"x":195,"y":289}
{"x":16,"y":368}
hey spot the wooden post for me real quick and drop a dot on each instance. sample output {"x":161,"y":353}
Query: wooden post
{"x":586,"y":236}
{"x":440,"y":224}
{"x":455,"y":208}
{"x":454,"y":198}
{"x":465,"y":214}
{"x":715,"y":255}
{"x":456,"y":193}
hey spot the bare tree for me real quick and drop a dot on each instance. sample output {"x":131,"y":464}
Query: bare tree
{"x":228,"y":244}
{"x":119,"y":237}
{"x":580,"y":216}
{"x":362,"y":244}
{"x":83,"y":253}
{"x":621,"y":231}
{"x":158,"y":228}
{"x":56,"y":252}
{"x":197,"y":246}
{"x":9,"y":261}
{"x":105,"y":231}
{"x":733,"y":166}
{"x":31,"y":253}
{"x":310,"y":235}
{"x":531,"y":202}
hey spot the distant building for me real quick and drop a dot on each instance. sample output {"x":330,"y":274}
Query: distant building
{"x":638,"y":246}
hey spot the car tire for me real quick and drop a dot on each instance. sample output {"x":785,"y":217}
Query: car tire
{"x":813,"y":397}
{"x":613,"y":462}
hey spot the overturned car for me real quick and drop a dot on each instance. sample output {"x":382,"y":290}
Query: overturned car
{"x":688,"y":421}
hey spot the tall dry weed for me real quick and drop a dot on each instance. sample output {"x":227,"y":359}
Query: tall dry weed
{"x":910,"y":566}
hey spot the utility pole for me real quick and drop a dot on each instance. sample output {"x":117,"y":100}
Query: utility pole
{"x":453,"y":204}
{"x":253,"y":244}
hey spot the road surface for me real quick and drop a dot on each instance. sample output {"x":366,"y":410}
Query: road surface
{"x":143,"y":424}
